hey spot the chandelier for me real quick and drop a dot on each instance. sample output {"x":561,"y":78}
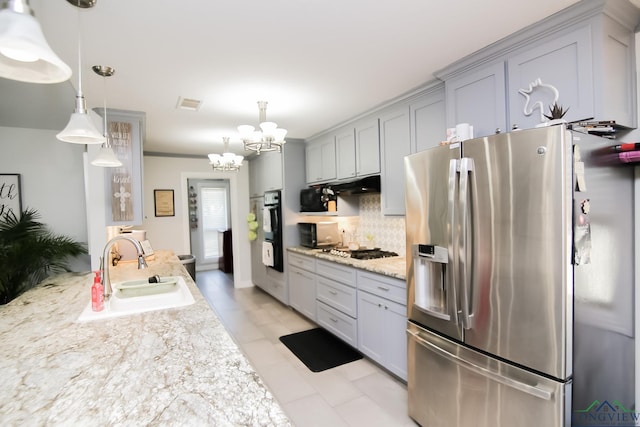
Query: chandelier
{"x":269,"y":138}
{"x":226,"y":161}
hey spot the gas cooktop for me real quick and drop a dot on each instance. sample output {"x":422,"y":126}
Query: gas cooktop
{"x":360,"y":253}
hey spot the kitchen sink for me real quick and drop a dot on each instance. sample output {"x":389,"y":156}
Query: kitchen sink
{"x":139,"y":296}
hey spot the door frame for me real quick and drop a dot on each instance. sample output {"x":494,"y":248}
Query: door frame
{"x":239,"y":195}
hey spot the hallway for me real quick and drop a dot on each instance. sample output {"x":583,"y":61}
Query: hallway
{"x":352,"y":395}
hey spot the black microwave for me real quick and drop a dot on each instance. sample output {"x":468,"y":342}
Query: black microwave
{"x":311,"y":200}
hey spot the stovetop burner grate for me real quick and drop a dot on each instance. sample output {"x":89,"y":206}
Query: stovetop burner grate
{"x":362,"y":254}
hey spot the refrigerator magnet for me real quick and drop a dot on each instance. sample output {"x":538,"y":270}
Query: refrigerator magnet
{"x":582,"y":234}
{"x":578,"y":167}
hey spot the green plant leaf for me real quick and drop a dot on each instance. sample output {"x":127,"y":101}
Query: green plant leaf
{"x":29,"y":252}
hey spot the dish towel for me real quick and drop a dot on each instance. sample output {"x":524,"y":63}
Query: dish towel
{"x":267,"y":254}
{"x":266,"y":220}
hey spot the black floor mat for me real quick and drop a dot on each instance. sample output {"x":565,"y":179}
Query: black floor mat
{"x":319,"y":350}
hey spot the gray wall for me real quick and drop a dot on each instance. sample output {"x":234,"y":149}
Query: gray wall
{"x":52,"y":180}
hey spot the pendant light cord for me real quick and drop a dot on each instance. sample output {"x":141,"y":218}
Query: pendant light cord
{"x":106,"y":131}
{"x":79,"y":56}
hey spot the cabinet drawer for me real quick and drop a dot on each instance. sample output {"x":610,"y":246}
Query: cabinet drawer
{"x":276,"y":289}
{"x":342,"y":326}
{"x":383,"y":286}
{"x":302,"y":261}
{"x":302,"y":291}
{"x":337,"y":272}
{"x":337,"y":295}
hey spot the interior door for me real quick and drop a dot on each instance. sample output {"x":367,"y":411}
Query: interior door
{"x":520,"y":275}
{"x":210,"y":208}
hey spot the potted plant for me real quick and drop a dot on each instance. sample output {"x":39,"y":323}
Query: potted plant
{"x":556,"y":113}
{"x":29,"y":252}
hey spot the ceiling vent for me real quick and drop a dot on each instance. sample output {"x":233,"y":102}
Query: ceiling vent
{"x":188,"y":104}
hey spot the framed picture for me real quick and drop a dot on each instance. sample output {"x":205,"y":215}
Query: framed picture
{"x":10,"y":197}
{"x":163,"y":202}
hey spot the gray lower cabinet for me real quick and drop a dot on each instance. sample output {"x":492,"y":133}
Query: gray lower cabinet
{"x":366,"y":310}
{"x":337,"y":308}
{"x":382,"y":321}
{"x":302,"y":284}
{"x":276,"y":284}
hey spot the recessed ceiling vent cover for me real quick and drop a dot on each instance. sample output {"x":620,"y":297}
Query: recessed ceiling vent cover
{"x":188,"y":104}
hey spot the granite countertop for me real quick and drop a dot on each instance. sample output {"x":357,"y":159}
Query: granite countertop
{"x":169,"y":367}
{"x":392,"y":266}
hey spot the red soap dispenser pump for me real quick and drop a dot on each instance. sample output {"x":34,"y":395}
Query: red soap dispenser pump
{"x":97,"y":293}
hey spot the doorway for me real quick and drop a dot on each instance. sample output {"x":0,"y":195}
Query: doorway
{"x":209,"y":217}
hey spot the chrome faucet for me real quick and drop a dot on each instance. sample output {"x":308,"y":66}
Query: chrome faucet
{"x":106,"y":282}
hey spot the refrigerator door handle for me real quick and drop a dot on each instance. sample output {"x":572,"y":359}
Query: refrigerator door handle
{"x":451,"y":273}
{"x":465,"y":242}
{"x":509,"y":382}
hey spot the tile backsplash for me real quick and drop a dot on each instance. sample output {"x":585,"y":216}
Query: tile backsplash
{"x":386,"y":232}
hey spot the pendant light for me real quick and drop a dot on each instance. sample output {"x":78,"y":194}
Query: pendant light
{"x":106,"y":157}
{"x":25,"y":54}
{"x":80,"y":129}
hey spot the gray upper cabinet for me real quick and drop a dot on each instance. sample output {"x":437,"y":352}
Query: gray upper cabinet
{"x":367,"y":147}
{"x":321,"y":160}
{"x":346,"y":154}
{"x":395,"y":143}
{"x":272,"y":170}
{"x":478,"y":98}
{"x":358,"y":150}
{"x":256,"y":182}
{"x":428,"y":120}
{"x":586,"y":53}
{"x":591,"y":66}
{"x":564,"y":63}
{"x":265,"y":173}
{"x":615,"y":72}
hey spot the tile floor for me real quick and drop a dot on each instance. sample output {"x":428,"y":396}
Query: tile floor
{"x":356,"y":394}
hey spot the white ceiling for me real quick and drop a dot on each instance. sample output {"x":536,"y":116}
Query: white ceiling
{"x":317,"y":62}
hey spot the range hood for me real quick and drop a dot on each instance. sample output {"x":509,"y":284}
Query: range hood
{"x":369,"y":184}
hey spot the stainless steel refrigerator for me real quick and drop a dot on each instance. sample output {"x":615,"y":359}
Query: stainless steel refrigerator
{"x":520,"y":281}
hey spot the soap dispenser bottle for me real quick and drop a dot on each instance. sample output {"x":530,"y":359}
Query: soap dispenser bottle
{"x":97,"y":293}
